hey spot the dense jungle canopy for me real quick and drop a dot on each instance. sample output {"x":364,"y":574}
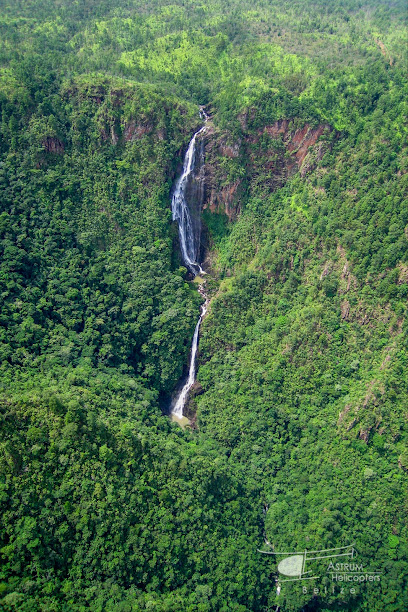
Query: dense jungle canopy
{"x":299,"y":416}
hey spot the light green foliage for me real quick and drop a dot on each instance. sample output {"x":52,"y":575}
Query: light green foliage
{"x":302,"y":410}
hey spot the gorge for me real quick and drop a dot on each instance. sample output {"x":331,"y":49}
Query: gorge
{"x":189,"y":235}
{"x":251,"y":266}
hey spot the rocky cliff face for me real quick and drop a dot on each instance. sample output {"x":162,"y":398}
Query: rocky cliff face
{"x":195,"y":190}
{"x":53,"y":145}
{"x":298,"y":143}
{"x":223,"y":193}
{"x":280,"y":149}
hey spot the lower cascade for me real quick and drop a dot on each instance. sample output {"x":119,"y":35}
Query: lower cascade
{"x":190,"y":247}
{"x":180,"y":401}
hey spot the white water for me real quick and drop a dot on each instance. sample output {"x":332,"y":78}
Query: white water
{"x":179,"y":207}
{"x":189,"y":252}
{"x":181,"y":399}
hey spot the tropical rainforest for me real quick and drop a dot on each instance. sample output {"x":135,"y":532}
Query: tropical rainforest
{"x":298,"y":419}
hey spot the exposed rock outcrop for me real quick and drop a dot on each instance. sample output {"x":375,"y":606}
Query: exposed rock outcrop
{"x":276,"y":152}
{"x":133,"y":131}
{"x":53,"y":145}
{"x":221,"y":194}
{"x":298,"y":142}
{"x":195,"y":189}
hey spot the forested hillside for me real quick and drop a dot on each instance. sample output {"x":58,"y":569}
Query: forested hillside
{"x":300,"y":409}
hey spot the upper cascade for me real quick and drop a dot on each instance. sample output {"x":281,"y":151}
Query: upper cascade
{"x":189,"y":240}
{"x":190,"y":245}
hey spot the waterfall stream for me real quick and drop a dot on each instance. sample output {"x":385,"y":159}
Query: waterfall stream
{"x":190,"y":248}
{"x":179,"y":403}
{"x":189,"y":244}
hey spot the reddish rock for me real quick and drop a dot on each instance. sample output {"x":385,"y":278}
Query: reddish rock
{"x":303,"y":139}
{"x":280,"y":127}
{"x":225,"y":199}
{"x":133,"y":131}
{"x":292,"y":148}
{"x":53,"y":145}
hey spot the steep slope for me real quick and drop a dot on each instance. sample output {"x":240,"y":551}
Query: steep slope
{"x":303,"y":353}
{"x":301,"y":435}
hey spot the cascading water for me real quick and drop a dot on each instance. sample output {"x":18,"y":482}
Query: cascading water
{"x":190,"y":246}
{"x":179,"y":403}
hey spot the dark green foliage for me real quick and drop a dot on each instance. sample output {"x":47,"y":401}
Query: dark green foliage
{"x":302,"y":411}
{"x":86,"y":240}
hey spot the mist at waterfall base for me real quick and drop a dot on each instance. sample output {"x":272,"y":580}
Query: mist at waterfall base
{"x":190,"y":247}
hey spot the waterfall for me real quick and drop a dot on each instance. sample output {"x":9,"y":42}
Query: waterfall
{"x":190,"y":247}
{"x":189,"y":242}
{"x":178,"y":405}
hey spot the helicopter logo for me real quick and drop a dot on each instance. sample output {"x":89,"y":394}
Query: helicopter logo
{"x":294,"y":565}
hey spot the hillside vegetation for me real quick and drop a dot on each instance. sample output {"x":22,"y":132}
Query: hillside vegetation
{"x":301,"y":402}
